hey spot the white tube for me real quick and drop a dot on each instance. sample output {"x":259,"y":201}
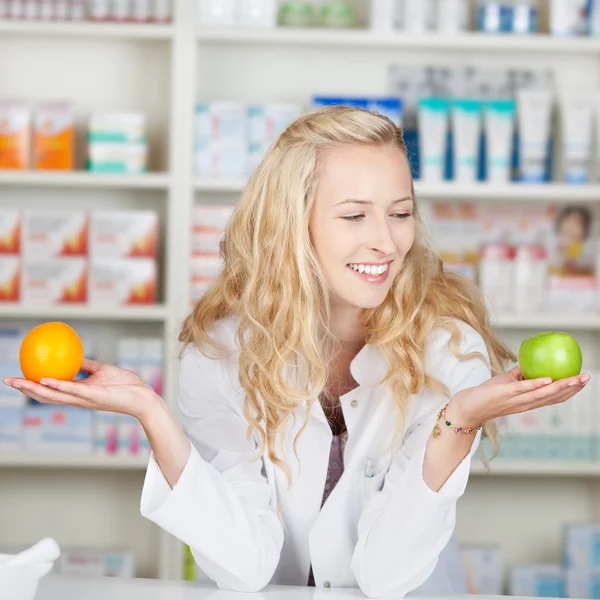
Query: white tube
{"x":452,"y":16}
{"x":534,"y":115}
{"x":499,"y":123}
{"x":419,"y":16}
{"x":433,"y":129}
{"x":576,"y":119}
{"x":383,"y":15}
{"x":466,"y":127}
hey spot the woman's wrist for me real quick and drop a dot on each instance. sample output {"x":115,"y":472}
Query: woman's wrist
{"x":461,"y":416}
{"x":152,"y":409}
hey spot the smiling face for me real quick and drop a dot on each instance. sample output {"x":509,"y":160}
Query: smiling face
{"x":362,"y":222}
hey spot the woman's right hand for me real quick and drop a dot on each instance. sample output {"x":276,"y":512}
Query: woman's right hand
{"x":107,"y":388}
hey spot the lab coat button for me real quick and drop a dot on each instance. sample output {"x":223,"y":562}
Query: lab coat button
{"x":354,"y":403}
{"x":327,"y":584}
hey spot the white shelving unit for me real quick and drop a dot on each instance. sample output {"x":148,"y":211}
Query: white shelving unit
{"x":513,"y":192}
{"x":88,"y":29}
{"x":81,"y":179}
{"x":163,"y":71}
{"x":366,"y":39}
{"x":67,"y":461}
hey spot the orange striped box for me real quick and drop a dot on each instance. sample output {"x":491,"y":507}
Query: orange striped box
{"x":56,"y":281}
{"x":15,"y":125}
{"x":54,"y":137}
{"x":10,"y":279}
{"x":123,"y":234}
{"x":10,"y":231}
{"x":121,"y":282}
{"x":52,"y":234}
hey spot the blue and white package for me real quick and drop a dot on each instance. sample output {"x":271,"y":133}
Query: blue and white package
{"x":390,"y":107}
{"x":581,"y":546}
{"x":583,"y":584}
{"x":541,"y":581}
{"x":58,"y":429}
{"x":12,"y":409}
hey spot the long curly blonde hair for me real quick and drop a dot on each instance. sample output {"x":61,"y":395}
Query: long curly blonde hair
{"x":273,"y":282}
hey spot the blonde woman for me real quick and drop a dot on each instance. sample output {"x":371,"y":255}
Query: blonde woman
{"x":334,"y":382}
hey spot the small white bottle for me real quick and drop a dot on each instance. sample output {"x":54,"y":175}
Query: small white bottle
{"x":496,"y":276}
{"x":452,"y":16}
{"x":530,"y":278}
{"x":61,"y":10}
{"x":163,"y":11}
{"x":524,"y":18}
{"x":419,"y":16}
{"x":46,"y":10}
{"x":100,"y":10}
{"x":384,"y":15}
{"x":32,"y":10}
{"x":141,"y":12}
{"x":16,"y":9}
{"x":77,"y":10}
{"x":121,"y":10}
{"x":256,"y":13}
{"x":217,"y":12}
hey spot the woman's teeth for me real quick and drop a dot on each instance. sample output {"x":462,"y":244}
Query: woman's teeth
{"x":370,"y":269}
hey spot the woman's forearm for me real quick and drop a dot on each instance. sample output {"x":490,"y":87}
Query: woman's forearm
{"x":167,"y":439}
{"x":445,"y":453}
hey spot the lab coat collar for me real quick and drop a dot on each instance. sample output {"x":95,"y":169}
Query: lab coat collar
{"x":369,"y":366}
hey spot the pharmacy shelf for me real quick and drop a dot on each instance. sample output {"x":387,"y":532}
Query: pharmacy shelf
{"x":364,"y":38}
{"x":498,"y":467}
{"x":517,"y":192}
{"x":85,"y":179}
{"x":85,"y":313}
{"x":88,"y":29}
{"x":73,"y":461}
{"x":207,"y":184}
{"x":569,"y":321}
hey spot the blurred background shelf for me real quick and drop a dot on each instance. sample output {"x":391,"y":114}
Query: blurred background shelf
{"x":125,"y":313}
{"x":514,"y":192}
{"x":581,"y":321}
{"x":360,"y":39}
{"x":87,"y":29}
{"x":523,"y":468}
{"x":69,"y":461}
{"x":85,"y":179}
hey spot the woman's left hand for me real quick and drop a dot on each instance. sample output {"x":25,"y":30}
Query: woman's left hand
{"x":510,"y":393}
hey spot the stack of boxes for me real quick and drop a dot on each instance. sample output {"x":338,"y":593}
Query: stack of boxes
{"x":577,"y":577}
{"x":27,"y":426}
{"x":92,"y":562}
{"x":483,"y":569}
{"x":566,"y":432}
{"x":208,"y":225}
{"x":53,"y":136}
{"x":102,"y":258}
{"x":117,"y":142}
{"x":231,"y":138}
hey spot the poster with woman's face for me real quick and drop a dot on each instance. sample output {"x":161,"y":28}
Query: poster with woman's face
{"x":573,"y":243}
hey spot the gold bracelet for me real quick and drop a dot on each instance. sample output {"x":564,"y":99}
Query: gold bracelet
{"x":442,"y":415}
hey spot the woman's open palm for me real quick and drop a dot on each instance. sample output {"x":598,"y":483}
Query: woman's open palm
{"x":510,"y":393}
{"x":107,"y":388}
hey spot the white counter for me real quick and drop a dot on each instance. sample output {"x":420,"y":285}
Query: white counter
{"x":62,"y":588}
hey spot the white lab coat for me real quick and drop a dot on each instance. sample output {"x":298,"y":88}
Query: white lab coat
{"x":388,"y":534}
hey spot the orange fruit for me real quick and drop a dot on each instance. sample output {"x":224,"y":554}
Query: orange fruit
{"x":51,"y":350}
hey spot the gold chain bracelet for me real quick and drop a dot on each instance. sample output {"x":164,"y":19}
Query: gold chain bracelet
{"x":442,"y":415}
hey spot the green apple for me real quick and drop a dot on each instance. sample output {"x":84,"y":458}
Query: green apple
{"x":550,"y":354}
